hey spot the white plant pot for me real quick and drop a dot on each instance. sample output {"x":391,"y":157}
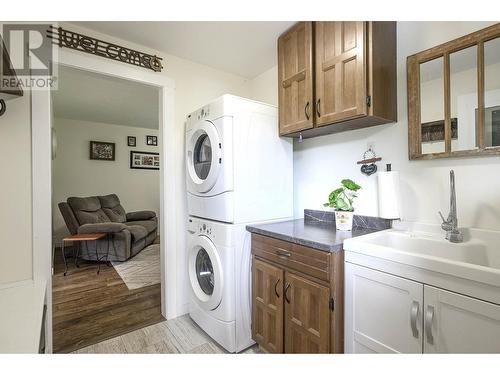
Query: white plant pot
{"x":343,"y":220}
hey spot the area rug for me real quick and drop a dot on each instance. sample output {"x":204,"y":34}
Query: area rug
{"x":141,"y":270}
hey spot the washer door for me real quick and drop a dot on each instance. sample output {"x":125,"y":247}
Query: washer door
{"x":205,"y":273}
{"x":203,"y":156}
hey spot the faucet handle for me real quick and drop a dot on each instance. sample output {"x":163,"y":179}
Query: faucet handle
{"x":442,"y":217}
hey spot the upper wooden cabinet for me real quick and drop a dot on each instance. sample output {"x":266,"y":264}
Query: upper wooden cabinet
{"x":354,"y":75}
{"x":295,"y":79}
{"x":340,"y":71}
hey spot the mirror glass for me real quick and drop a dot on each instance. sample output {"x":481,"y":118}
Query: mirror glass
{"x":463,"y":99}
{"x":432,"y":106}
{"x":492,"y":93}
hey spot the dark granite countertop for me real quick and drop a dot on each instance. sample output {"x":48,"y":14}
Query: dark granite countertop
{"x":318,"y":231}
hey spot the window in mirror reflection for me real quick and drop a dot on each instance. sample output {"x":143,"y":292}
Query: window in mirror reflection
{"x":492,"y":93}
{"x":432,"y":106}
{"x":463,"y":98}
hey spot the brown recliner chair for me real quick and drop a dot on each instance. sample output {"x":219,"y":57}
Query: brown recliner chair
{"x":130,"y":232}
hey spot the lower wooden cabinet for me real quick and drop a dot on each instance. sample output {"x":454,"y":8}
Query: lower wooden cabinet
{"x":293,"y":311}
{"x":307,"y":313}
{"x":267,"y":310}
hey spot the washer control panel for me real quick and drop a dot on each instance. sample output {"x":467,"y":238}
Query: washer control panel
{"x":201,"y":227}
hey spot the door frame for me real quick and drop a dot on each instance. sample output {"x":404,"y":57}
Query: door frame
{"x":170,"y":177}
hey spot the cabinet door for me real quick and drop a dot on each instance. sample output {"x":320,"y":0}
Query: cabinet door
{"x":307,"y":316}
{"x":295,"y":79}
{"x":267,"y":306}
{"x":458,"y":324}
{"x":382,"y":312}
{"x":340,"y":71}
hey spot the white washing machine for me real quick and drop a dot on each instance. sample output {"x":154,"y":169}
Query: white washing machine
{"x":238,"y":168}
{"x":220,"y":280}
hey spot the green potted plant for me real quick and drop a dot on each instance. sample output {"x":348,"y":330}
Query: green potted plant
{"x":341,"y":200}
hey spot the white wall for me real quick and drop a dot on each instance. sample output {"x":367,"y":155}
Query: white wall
{"x":320,"y":163}
{"x":15,"y":191}
{"x":74,"y":174}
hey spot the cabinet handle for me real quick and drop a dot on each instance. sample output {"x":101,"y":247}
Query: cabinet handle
{"x":286,"y":290}
{"x":275,"y":288}
{"x":306,"y":111}
{"x":318,"y":106}
{"x":429,"y":317}
{"x":283,"y":253}
{"x":413,"y":318}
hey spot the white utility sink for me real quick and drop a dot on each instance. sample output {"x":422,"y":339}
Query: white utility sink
{"x":477,"y":258}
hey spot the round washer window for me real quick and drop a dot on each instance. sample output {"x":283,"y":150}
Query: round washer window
{"x":202,"y":156}
{"x":205,"y":272}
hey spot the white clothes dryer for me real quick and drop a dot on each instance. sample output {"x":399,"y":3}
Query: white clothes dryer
{"x":238,"y":169}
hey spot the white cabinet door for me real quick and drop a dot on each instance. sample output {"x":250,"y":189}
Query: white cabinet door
{"x":458,"y":324}
{"x":383,"y":313}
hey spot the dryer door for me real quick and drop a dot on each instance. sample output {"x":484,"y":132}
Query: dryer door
{"x":203,"y":156}
{"x":205,"y":272}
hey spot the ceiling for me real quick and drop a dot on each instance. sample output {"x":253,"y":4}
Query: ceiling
{"x":87,"y":96}
{"x":243,"y":48}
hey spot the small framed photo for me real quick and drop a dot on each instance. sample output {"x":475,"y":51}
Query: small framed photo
{"x":131,"y":141}
{"x":144,"y":160}
{"x":152,"y":140}
{"x":102,"y":151}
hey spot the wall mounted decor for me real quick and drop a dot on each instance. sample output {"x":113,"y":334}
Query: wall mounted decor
{"x":368,"y":166}
{"x":144,"y":160}
{"x":7,"y":74}
{"x":152,"y":140}
{"x":83,"y":43}
{"x":450,"y":90}
{"x":102,"y":151}
{"x":131,"y":141}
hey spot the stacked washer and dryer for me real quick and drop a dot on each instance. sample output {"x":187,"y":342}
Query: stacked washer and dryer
{"x":239,"y":172}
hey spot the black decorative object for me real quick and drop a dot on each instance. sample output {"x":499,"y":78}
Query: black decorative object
{"x":80,"y":42}
{"x":3,"y":107}
{"x":102,"y":151}
{"x":131,"y":141}
{"x":368,"y":165}
{"x":144,"y":160}
{"x":152,"y":140}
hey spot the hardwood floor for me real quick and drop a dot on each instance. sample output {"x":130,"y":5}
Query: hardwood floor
{"x":180,"y":335}
{"x":90,"y":308}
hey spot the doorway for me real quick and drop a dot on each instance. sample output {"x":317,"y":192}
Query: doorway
{"x":105,"y":170}
{"x":42,"y":186}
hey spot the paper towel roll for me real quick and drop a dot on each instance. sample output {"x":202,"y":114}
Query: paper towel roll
{"x":388,"y":195}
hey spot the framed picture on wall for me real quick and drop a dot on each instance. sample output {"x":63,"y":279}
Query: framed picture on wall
{"x":144,"y":160}
{"x":152,"y":140}
{"x":102,"y":151}
{"x":131,"y":141}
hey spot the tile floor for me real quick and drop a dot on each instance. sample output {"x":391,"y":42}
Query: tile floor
{"x":180,"y":335}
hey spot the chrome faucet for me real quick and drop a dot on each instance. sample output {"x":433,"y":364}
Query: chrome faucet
{"x":450,"y":225}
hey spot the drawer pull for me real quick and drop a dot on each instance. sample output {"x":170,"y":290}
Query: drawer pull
{"x":413,"y":318}
{"x":283,"y":253}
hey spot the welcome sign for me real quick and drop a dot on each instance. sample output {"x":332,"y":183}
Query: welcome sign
{"x":80,"y":42}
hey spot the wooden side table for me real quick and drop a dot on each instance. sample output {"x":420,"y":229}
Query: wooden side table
{"x":82,"y":238}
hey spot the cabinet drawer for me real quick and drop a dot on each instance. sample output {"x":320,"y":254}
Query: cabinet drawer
{"x":312,"y":262}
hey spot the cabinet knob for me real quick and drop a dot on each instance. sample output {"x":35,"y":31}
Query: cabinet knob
{"x":318,"y":107}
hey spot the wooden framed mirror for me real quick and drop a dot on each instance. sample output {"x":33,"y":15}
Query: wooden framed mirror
{"x":454,"y":98}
